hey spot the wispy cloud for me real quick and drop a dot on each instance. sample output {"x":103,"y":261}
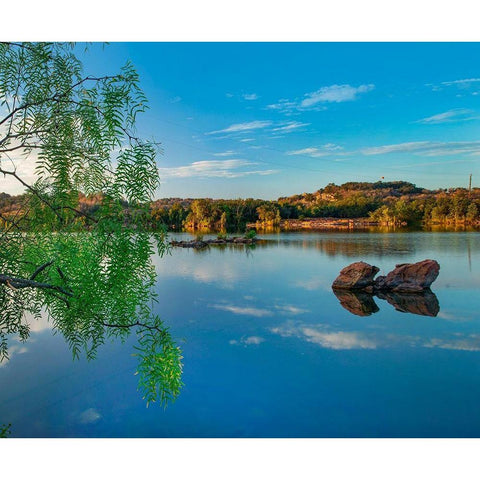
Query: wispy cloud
{"x":425,"y":148}
{"x":310,"y":151}
{"x":316,"y":100}
{"x":463,"y":81}
{"x":244,"y":96}
{"x":250,"y":311}
{"x":90,"y":416}
{"x":246,"y":341}
{"x":456,"y":115}
{"x":244,"y":127}
{"x":284,"y":106}
{"x":318,"y":334}
{"x":335,"y":94}
{"x":427,"y":164}
{"x":323,"y":336}
{"x":228,"y":153}
{"x":213,"y":168}
{"x":12,"y":351}
{"x":291,"y":310}
{"x":288,"y":127}
{"x":465,"y":85}
{"x":314,"y":152}
{"x":396,"y":148}
{"x":175,"y":99}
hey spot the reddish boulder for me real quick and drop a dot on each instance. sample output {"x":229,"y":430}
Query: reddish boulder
{"x":358,"y":275}
{"x":409,"y":277}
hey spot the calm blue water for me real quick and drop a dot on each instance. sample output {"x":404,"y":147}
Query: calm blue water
{"x":270,"y":352}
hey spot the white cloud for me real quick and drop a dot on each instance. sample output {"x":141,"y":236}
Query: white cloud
{"x":466,"y":85}
{"x":335,"y":340}
{"x":228,"y":153}
{"x":291,"y":310}
{"x":253,"y":340}
{"x":310,"y":151}
{"x":426,"y":164}
{"x":456,"y":115}
{"x":463,"y":81}
{"x":321,"y":151}
{"x":251,"y":311}
{"x":12,"y":351}
{"x":284,"y":105}
{"x":395,"y":148}
{"x":244,"y":127}
{"x":316,"y":100}
{"x":335,"y":94}
{"x":213,"y":168}
{"x":425,"y":148}
{"x":288,"y":127}
{"x":175,"y":99}
{"x":202,"y":270}
{"x":39,"y":324}
{"x":470,"y":343}
{"x":322,"y":335}
{"x":338,"y":340}
{"x":89,"y":416}
{"x":245,"y":96}
{"x":24,"y":166}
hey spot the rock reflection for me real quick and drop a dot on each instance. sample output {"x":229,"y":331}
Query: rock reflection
{"x":358,"y":303}
{"x":363,"y":304}
{"x":423,"y":303}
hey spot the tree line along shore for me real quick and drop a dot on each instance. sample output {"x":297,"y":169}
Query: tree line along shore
{"x":351,"y":205}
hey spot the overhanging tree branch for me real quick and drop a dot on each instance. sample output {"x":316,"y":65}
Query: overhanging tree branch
{"x":18,"y":283}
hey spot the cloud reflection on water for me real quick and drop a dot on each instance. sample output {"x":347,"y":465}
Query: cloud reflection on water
{"x":326,"y":337}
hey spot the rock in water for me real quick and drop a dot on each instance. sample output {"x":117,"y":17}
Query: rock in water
{"x":358,"y":275}
{"x":409,"y":277}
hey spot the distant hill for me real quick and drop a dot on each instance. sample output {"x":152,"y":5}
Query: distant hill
{"x":396,"y":202}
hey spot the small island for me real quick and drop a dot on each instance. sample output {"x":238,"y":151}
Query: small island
{"x":248,"y":239}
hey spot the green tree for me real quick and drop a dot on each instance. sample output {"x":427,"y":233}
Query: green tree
{"x":472,"y":212}
{"x":269,"y":214}
{"x":90,"y":273}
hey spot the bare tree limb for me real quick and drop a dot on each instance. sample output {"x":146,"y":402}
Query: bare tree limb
{"x":40,"y":269}
{"x":17,"y":283}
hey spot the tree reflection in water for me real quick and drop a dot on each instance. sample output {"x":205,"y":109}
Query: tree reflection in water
{"x":91,"y":287}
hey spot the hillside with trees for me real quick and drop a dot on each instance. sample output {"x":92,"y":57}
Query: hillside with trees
{"x":384,"y":203}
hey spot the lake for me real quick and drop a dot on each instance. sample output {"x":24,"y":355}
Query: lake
{"x":269,"y":351}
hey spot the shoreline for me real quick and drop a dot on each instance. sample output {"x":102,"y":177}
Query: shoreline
{"x":320,"y":223}
{"x":332,"y":223}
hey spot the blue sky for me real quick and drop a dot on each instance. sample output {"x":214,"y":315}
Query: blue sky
{"x":272,"y":119}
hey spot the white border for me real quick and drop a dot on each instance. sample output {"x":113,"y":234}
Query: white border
{"x":241,"y":20}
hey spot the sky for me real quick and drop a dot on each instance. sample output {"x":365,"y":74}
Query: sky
{"x":265,"y":120}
